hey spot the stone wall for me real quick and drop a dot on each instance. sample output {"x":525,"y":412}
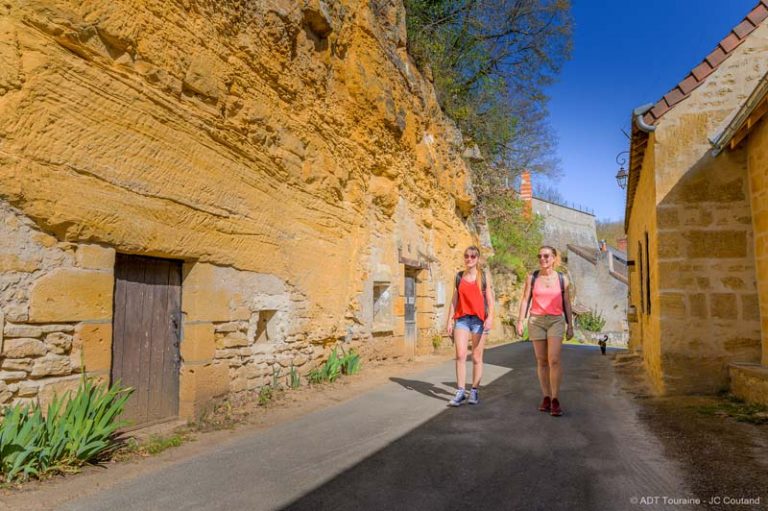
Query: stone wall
{"x":757,"y":148}
{"x":290,"y":154}
{"x":564,"y":225}
{"x":703,"y":286}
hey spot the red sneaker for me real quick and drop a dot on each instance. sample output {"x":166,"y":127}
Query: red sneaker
{"x":545,"y":404}
{"x":556,"y":411}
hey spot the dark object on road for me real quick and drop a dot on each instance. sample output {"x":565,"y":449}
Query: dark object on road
{"x":602,"y":343}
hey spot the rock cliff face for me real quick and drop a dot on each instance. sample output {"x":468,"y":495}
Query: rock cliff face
{"x":288,"y":152}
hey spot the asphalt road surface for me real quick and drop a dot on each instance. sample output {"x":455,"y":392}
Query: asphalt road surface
{"x":399,"y":447}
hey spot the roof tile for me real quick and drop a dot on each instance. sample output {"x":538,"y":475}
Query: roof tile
{"x":702,"y":71}
{"x":688,"y":84}
{"x":758,"y":14}
{"x":674,"y":96}
{"x":743,"y":29}
{"x":716,"y":57}
{"x":660,"y":108}
{"x":730,"y":42}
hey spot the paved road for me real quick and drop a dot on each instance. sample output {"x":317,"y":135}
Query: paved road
{"x":399,"y":447}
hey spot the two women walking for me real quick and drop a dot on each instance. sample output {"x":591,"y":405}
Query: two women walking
{"x":546,"y":298}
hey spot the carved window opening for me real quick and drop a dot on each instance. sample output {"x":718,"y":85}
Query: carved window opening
{"x":382,"y":306}
{"x":266,"y":326}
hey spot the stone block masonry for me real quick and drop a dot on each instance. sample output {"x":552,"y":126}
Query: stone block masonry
{"x":292,"y":160}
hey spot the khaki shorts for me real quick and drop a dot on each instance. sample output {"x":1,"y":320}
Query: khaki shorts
{"x":541,"y":328}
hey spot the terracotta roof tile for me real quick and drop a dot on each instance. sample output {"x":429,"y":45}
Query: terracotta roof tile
{"x":702,"y":71}
{"x":730,"y":42}
{"x":758,"y":14}
{"x":716,"y":57}
{"x":661,"y":107}
{"x":674,"y":96}
{"x":699,"y":73}
{"x":743,"y":29}
{"x":687,"y":85}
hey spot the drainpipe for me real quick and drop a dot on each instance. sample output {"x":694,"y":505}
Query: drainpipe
{"x":638,"y":114}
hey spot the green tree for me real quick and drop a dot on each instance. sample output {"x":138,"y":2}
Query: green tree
{"x":490,"y":61}
{"x":515,"y":236}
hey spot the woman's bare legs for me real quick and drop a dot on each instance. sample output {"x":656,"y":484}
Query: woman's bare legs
{"x":460,"y":339}
{"x":478,"y":345}
{"x":554,"y":348}
{"x":542,"y":366}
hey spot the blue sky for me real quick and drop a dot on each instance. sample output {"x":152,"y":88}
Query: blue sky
{"x":625,"y":53}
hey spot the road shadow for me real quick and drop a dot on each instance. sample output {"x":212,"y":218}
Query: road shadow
{"x":505,"y":454}
{"x":423,"y":387}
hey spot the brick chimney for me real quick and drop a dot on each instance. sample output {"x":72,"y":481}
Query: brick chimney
{"x":526,"y":193}
{"x":621,"y":244}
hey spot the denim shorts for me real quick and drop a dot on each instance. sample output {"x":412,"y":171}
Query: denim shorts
{"x":470,"y":323}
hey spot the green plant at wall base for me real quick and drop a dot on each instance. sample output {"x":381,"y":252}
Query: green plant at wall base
{"x":276,"y":378}
{"x":294,"y":380}
{"x":76,"y":429}
{"x":332,"y":367}
{"x":265,"y":395}
{"x":437,"y":341}
{"x":591,"y":321}
{"x":315,"y":376}
{"x":350,"y":363}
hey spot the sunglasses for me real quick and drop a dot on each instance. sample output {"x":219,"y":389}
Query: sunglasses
{"x":543,"y":256}
{"x":470,"y":256}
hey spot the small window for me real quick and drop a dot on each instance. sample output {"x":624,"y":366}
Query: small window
{"x":382,"y":306}
{"x":265,"y":327}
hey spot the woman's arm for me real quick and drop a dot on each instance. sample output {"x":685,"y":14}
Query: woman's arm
{"x":490,"y":299}
{"x":568,"y":312}
{"x":524,"y":305}
{"x":451,"y":310}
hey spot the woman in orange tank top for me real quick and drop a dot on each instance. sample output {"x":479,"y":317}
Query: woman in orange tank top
{"x":470,"y":316}
{"x":549,"y":304}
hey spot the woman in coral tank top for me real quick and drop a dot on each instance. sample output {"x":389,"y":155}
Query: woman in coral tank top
{"x":546,"y":297}
{"x":472,"y":311}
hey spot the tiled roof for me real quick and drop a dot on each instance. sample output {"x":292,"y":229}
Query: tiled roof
{"x":699,"y":74}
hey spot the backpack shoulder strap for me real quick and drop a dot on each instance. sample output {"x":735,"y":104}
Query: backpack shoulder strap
{"x":534,"y":276}
{"x":562,"y":292}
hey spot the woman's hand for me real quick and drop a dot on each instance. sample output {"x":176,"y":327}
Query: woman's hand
{"x":569,"y":332}
{"x":520,"y":327}
{"x":487,"y":324}
{"x":449,"y":328}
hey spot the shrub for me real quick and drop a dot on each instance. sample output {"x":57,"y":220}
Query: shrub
{"x":75,"y":430}
{"x":265,"y":395}
{"x":437,"y":341}
{"x":350,"y":363}
{"x":294,"y":380}
{"x":591,"y":321}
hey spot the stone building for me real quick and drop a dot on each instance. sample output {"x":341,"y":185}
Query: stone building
{"x":197,"y":196}
{"x":695,"y":223}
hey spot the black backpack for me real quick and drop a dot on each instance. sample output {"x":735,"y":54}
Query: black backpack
{"x":483,"y":283}
{"x":534,"y":276}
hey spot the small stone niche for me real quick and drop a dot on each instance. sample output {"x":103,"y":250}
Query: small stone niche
{"x":382,"y":306}
{"x":266,"y":327}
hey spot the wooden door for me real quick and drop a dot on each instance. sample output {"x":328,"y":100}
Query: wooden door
{"x":410,"y":309}
{"x":145,"y":338}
